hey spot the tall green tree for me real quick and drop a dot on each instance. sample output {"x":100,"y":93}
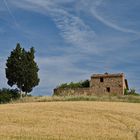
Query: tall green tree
{"x":22,"y":70}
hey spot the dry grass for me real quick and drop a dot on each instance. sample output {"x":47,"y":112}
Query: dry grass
{"x":70,"y":121}
{"x":106,"y":98}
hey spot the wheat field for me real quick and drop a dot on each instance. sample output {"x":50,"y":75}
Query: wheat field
{"x":83,"y":120}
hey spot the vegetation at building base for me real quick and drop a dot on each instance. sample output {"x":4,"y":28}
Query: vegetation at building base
{"x":7,"y":95}
{"x":81,"y":84}
{"x":21,"y":69}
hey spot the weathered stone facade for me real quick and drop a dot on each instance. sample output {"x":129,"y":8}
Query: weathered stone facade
{"x":108,"y":83}
{"x":72,"y":91}
{"x":100,"y":84}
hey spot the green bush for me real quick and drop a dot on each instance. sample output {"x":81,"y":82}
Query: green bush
{"x":6,"y":95}
{"x":81,"y":84}
{"x":126,"y":92}
{"x":132,"y":91}
{"x":85,"y":83}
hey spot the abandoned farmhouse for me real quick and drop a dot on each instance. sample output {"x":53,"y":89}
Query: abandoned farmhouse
{"x":99,"y":84}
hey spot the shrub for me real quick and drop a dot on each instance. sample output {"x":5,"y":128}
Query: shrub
{"x":6,"y":95}
{"x":132,"y":91}
{"x":81,"y":84}
{"x":85,"y":83}
{"x":126,"y":92}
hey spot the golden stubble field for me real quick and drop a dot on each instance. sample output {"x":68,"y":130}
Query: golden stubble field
{"x":81,"y":120}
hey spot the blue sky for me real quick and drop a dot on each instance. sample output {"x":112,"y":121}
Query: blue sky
{"x":73,"y":38}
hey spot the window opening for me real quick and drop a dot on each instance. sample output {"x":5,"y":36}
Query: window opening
{"x":101,"y":79}
{"x":108,"y":89}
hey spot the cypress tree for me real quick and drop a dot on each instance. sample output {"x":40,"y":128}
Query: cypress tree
{"x":31,"y":69}
{"x":22,"y":70}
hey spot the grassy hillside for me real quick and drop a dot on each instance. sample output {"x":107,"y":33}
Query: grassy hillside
{"x":70,"y":121}
{"x":108,"y":98}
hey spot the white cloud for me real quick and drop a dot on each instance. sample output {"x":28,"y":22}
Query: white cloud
{"x":72,"y":28}
{"x":2,"y":72}
{"x":94,"y":7}
{"x":55,"y":70}
{"x":75,"y":31}
{"x":111,"y":24}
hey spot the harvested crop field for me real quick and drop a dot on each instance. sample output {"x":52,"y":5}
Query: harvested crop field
{"x":83,"y":120}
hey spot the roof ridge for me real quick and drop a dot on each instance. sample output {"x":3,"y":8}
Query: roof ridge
{"x":107,"y":75}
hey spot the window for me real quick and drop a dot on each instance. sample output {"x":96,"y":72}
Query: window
{"x":108,"y":89}
{"x":101,"y":79}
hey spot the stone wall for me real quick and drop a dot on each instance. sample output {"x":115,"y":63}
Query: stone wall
{"x":72,"y":92}
{"x":77,"y":92}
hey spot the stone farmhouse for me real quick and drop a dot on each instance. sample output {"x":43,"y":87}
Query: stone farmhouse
{"x":100,"y":84}
{"x":108,"y":83}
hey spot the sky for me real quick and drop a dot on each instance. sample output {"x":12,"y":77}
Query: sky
{"x":73,"y":39}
